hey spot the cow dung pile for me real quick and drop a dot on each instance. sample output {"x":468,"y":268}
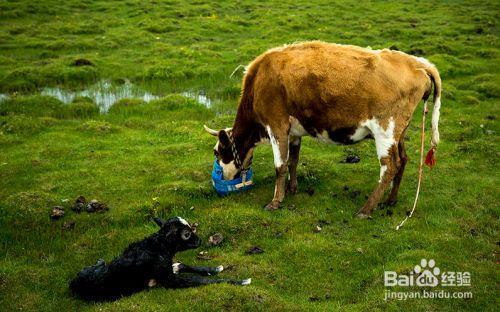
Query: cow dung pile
{"x":94,"y":205}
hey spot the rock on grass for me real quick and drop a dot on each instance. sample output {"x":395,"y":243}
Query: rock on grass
{"x":215,"y":239}
{"x":254,"y":250}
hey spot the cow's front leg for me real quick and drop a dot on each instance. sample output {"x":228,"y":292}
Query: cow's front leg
{"x":279,"y":142}
{"x":293,"y":160}
{"x":201,"y":270}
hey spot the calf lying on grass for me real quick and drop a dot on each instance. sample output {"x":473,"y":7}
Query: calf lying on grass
{"x":145,"y":264}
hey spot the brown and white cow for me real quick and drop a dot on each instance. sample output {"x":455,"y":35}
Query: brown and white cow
{"x":336,"y":93}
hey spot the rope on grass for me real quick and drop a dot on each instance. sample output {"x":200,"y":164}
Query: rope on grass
{"x":420,"y":168}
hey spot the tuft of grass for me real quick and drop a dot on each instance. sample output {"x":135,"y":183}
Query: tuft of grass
{"x":82,"y":107}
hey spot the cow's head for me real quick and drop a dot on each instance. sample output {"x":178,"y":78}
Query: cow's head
{"x":225,"y":152}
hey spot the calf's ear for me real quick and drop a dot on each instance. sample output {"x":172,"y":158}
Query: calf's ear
{"x":158,"y":221}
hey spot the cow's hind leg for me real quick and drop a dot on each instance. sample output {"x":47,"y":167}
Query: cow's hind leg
{"x":294,"y":148}
{"x":393,"y":196}
{"x":279,"y":142}
{"x":390,"y":162}
{"x":388,"y":168}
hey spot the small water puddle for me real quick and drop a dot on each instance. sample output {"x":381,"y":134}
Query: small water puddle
{"x":105,"y":94}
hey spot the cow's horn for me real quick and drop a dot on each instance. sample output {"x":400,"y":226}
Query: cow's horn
{"x":211,"y":131}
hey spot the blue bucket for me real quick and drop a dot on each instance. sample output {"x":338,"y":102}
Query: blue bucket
{"x":224,"y":187}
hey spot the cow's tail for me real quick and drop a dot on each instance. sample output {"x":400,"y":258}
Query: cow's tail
{"x":436,"y":79}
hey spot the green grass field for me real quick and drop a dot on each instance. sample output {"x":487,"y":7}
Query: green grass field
{"x":155,"y":159}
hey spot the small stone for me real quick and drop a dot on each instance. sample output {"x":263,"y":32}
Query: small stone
{"x":352,"y":159}
{"x":96,"y":206}
{"x":355,"y":193}
{"x":317,"y":229}
{"x":314,"y":298}
{"x":68,"y":225}
{"x":57,"y":213}
{"x":324,"y":222}
{"x":416,"y":52}
{"x":80,"y":204}
{"x":215,"y":239}
{"x":82,"y":62}
{"x":254,"y":250}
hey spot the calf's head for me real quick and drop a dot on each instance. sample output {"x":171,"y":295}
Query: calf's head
{"x":178,"y":234}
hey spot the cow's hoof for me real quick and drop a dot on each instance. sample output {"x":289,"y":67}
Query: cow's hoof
{"x":362,"y":215}
{"x":274,"y":205}
{"x":291,"y":188}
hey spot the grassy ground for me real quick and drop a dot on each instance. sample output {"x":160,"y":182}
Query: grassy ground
{"x":155,"y":159}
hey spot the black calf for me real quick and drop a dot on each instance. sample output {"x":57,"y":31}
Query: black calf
{"x":145,"y":264}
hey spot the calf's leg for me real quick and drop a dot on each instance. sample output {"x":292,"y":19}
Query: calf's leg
{"x":201,"y":270}
{"x":195,"y":280}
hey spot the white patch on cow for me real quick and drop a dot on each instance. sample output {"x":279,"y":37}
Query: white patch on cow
{"x":228,"y":170}
{"x":383,"y":169}
{"x":384,"y":138}
{"x":175,"y":267}
{"x":360,"y":134}
{"x":246,"y":282}
{"x":435,"y":121}
{"x":278,"y":162}
{"x":296,"y":128}
{"x":181,"y":220}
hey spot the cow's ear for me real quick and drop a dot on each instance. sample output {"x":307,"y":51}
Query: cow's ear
{"x":224,"y":138}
